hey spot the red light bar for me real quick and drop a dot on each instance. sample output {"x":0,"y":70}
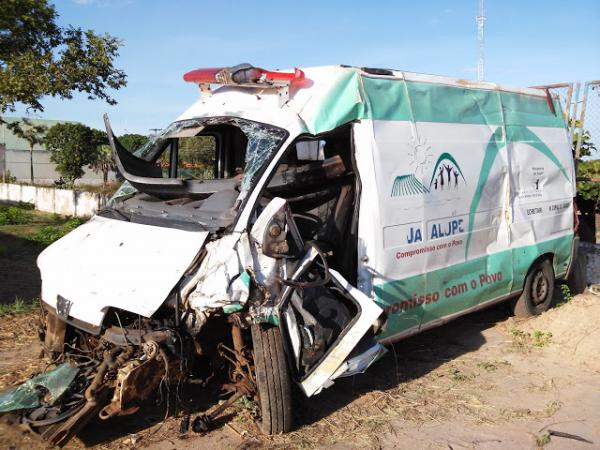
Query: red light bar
{"x":244,"y":74}
{"x":202,"y":75}
{"x":298,"y":75}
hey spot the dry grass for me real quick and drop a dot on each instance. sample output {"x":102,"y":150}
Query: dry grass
{"x":18,"y":340}
{"x":452,"y":389}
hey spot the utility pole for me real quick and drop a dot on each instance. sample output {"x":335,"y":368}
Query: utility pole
{"x":481,"y":39}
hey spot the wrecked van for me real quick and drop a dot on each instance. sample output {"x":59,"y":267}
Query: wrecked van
{"x":289,"y":224}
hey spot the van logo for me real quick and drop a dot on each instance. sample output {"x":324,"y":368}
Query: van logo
{"x":446,"y":176}
{"x":407,"y":185}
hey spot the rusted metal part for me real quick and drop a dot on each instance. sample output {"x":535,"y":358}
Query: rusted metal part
{"x":203,"y":422}
{"x":136,"y":381}
{"x":54,"y":338}
{"x":63,"y":434}
{"x":96,"y":395}
{"x":242,"y":370}
{"x":238,"y":340}
{"x":122,"y":336}
{"x":236,"y":332}
{"x":550,"y":101}
{"x":243,"y":381}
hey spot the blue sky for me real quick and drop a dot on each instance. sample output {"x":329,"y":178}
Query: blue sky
{"x":527,"y":43}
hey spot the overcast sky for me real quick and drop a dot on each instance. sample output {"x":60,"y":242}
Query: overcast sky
{"x":527,"y":43}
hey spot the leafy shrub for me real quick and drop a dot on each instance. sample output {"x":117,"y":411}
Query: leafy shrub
{"x":73,"y":223}
{"x":25,"y":205}
{"x":47,"y":235}
{"x":566,"y":292}
{"x":19,"y":306}
{"x":588,"y":190}
{"x":9,"y":178}
{"x":12,"y":216}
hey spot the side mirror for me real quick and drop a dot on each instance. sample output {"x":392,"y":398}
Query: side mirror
{"x":275,"y":231}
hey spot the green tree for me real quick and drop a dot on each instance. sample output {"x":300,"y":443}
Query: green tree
{"x":588,"y":190}
{"x":33,"y":134}
{"x":132,"y":141}
{"x":587,"y":147}
{"x":39,"y":58}
{"x":72,"y":146}
{"x":586,"y":169}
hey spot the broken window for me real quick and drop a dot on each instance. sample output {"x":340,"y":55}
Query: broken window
{"x":262,"y":142}
{"x":200,"y":151}
{"x":316,"y":176}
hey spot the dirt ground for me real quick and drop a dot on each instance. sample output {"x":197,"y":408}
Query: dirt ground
{"x":19,"y":275}
{"x":485,"y":381}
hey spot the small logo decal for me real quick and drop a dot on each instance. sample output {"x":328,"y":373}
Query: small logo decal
{"x":407,"y":185}
{"x":446,"y":175}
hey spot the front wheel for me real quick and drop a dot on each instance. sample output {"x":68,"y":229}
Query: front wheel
{"x":537,"y":291}
{"x":272,"y":379}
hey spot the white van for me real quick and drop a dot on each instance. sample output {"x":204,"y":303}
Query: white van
{"x":288,"y":224}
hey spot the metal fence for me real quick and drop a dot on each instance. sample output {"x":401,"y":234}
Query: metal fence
{"x":581,"y":106}
{"x":590,"y":113}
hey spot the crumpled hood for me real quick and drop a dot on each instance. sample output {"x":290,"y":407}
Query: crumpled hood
{"x":112,"y":263}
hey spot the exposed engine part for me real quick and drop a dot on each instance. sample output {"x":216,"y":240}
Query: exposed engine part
{"x":136,"y":381}
{"x":115,"y":373}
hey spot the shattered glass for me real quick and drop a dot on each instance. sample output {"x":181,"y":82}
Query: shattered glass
{"x":49,"y":385}
{"x":157,"y":143}
{"x":263,"y":140}
{"x":125,"y":190}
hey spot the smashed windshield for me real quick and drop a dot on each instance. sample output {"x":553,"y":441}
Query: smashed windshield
{"x":210,"y":151}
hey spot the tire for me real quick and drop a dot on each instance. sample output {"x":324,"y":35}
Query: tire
{"x":272,"y":379}
{"x":537,"y":291}
{"x":577,"y":280}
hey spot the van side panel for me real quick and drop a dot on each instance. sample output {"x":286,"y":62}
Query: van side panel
{"x":541,"y":190}
{"x":449,"y":202}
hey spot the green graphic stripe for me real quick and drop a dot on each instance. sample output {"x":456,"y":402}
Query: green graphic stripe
{"x":342,"y":104}
{"x":491,"y":151}
{"x":354,"y":97}
{"x":523,"y":134}
{"x":514,"y":134}
{"x":513,"y":264}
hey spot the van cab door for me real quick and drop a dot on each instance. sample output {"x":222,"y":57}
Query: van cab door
{"x":327,"y":322}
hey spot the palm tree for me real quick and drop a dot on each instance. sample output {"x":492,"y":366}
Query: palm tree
{"x":104,"y":162}
{"x":33,"y":134}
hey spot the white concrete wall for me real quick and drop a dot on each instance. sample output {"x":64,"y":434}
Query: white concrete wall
{"x":60,"y":201}
{"x":44,"y":171}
